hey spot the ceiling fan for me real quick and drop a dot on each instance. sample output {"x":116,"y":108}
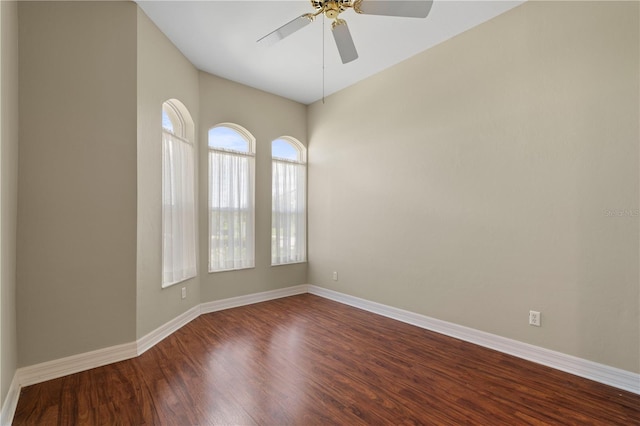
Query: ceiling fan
{"x":339,"y":28}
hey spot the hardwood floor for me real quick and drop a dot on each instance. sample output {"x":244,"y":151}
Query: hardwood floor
{"x":305,"y":360}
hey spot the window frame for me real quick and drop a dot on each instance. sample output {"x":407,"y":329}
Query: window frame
{"x":301,"y":161}
{"x":176,"y":112}
{"x":251,"y":155}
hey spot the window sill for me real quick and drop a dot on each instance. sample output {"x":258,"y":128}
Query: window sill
{"x":290,"y":263}
{"x":231,"y":270}
{"x":163,"y":286}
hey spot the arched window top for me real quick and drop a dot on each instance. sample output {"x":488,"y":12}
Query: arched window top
{"x":231,"y":137}
{"x":173,"y":118}
{"x":288,"y":148}
{"x":178,"y":194}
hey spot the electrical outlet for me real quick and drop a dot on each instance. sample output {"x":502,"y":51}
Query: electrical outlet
{"x":534,"y":318}
{"x":335,"y":276}
{"x":184,"y":292}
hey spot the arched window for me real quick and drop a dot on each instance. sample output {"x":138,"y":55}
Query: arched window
{"x":178,"y":194}
{"x":231,"y":198}
{"x":288,"y":201}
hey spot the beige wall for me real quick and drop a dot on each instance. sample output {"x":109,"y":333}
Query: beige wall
{"x":8,"y":191}
{"x":474,"y":182}
{"x":77,"y":178}
{"x":93,"y":79}
{"x":163,"y":73}
{"x":267,"y":117}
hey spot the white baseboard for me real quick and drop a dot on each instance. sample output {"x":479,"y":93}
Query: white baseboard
{"x":150,"y":340}
{"x":156,"y":336}
{"x":74,"y":364}
{"x":249,"y":299}
{"x":605,"y":374}
{"x":26,"y":376}
{"x":10,"y":403}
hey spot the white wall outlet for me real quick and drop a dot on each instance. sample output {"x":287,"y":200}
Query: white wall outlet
{"x":335,"y":276}
{"x":534,"y":318}
{"x":184,"y":292}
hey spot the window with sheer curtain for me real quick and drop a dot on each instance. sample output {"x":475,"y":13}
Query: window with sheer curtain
{"x":231,"y":198}
{"x":178,"y":196}
{"x":288,"y":202}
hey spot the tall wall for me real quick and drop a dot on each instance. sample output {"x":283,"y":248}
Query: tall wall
{"x":493,"y":174}
{"x":267,"y":117}
{"x":8,"y":192}
{"x":76,"y":264}
{"x":163,"y":74}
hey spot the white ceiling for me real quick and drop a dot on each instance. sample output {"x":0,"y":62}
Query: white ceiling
{"x":220,"y":37}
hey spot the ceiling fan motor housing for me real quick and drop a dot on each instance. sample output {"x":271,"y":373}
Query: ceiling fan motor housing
{"x":331,"y":8}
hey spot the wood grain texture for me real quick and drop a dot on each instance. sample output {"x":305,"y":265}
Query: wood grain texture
{"x":304,"y":360}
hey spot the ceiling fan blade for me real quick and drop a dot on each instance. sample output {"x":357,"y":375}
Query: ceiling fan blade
{"x":404,"y":8}
{"x":344,"y":41}
{"x":286,"y":30}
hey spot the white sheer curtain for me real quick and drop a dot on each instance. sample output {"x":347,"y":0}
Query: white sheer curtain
{"x":231,"y":211}
{"x":178,"y":210}
{"x":288,"y":216}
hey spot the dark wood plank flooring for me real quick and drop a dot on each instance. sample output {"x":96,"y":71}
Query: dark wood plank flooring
{"x":305,"y":360}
